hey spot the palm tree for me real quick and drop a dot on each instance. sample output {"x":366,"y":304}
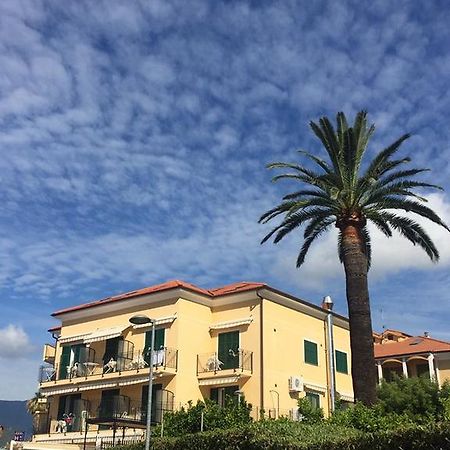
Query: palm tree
{"x":340,"y":192}
{"x":35,"y":407}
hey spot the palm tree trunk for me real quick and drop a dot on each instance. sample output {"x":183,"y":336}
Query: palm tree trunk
{"x":361,"y":337}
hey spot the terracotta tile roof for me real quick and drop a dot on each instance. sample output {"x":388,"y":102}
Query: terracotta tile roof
{"x":236,"y":287}
{"x":56,"y":328}
{"x":174,"y":284}
{"x":411,"y":346}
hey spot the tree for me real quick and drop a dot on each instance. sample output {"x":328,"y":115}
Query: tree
{"x":339,"y":192}
{"x":35,"y":407}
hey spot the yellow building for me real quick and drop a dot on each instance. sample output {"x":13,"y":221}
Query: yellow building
{"x":243,"y":339}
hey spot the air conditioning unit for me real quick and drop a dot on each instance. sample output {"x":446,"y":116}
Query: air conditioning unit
{"x":295,"y":384}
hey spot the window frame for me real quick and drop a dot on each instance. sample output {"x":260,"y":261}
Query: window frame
{"x":317,"y":352}
{"x":336,"y":361}
{"x":315,"y":395}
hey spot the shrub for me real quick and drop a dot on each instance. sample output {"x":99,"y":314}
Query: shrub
{"x":188,"y":420}
{"x":285,"y":435}
{"x":309,"y":413}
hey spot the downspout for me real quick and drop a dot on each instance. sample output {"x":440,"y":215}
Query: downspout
{"x":261,"y":355}
{"x":328,"y":305}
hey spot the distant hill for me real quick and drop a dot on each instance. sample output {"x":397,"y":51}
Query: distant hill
{"x":14,"y":417}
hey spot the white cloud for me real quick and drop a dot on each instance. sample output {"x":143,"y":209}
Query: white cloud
{"x":15,"y":342}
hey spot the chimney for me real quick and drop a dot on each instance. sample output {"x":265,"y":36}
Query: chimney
{"x":426,"y":334}
{"x":327,"y":303}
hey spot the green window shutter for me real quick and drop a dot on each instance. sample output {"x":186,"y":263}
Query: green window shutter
{"x":64,"y":362}
{"x":341,"y":362}
{"x":311,"y":356}
{"x":228,"y":351}
{"x":314,"y":399}
{"x":159,"y":339}
{"x":159,"y":342}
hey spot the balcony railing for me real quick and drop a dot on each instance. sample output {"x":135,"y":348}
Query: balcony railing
{"x":240,"y":360}
{"x":89,"y":365}
{"x":113,"y":409}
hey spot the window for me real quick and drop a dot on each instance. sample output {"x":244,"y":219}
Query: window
{"x":228,"y":351}
{"x":311,"y":356}
{"x":341,"y":362}
{"x":221,"y":395}
{"x":314,"y":399}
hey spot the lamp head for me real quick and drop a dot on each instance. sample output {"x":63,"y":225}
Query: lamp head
{"x":140,"y":320}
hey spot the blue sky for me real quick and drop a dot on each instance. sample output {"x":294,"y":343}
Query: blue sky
{"x":134,"y":137}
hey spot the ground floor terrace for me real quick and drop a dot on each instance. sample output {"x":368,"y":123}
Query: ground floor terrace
{"x":433,"y":366}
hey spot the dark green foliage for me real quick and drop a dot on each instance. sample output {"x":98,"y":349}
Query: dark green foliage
{"x":308,"y":412}
{"x":287,"y":435}
{"x":187,"y":420}
{"x":417,"y":397}
{"x":402,"y":402}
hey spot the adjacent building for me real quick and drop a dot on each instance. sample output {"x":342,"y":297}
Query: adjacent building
{"x":398,"y":353}
{"x":244,"y":339}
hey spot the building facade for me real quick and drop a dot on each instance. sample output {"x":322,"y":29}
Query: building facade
{"x":398,"y":353}
{"x":245,"y":339}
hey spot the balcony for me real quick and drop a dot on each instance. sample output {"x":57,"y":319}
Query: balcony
{"x":215,"y":364}
{"x":115,"y":411}
{"x":128,"y":362}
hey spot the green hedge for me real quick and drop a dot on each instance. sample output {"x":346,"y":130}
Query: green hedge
{"x":283,"y":436}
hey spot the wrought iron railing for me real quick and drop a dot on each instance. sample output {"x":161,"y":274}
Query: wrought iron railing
{"x":112,"y":409}
{"x":127,"y":361}
{"x":240,"y":360}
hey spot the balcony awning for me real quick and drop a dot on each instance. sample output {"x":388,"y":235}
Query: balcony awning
{"x":105,"y":333}
{"x":231,"y":324}
{"x":160,"y":321}
{"x":73,"y":338}
{"x":315,"y":387}
{"x":87,"y":387}
{"x":58,"y":391}
{"x":346,"y":397}
{"x":133,"y":381}
{"x":218,"y":381}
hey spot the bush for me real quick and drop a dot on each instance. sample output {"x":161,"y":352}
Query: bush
{"x":308,"y":412}
{"x":188,"y":420}
{"x":286,"y":435}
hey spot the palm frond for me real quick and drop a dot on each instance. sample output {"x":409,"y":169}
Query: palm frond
{"x":320,"y":228}
{"x":291,"y":222}
{"x":318,"y":161}
{"x":375,"y":167}
{"x":412,"y":231}
{"x":411,"y":206}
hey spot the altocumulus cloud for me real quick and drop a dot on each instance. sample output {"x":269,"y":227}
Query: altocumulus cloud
{"x":134,"y":137}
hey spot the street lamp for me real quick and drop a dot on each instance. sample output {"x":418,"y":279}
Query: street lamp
{"x":143,"y":320}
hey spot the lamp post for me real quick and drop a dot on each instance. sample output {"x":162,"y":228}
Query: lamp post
{"x":143,"y":320}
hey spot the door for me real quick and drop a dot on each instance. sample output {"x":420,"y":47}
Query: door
{"x":67,"y":410}
{"x":156,"y":403}
{"x":228,"y":352}
{"x":111,"y":350}
{"x":223,"y":395}
{"x":108,"y":403}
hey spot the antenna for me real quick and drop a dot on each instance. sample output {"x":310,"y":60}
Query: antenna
{"x":383,"y":325}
